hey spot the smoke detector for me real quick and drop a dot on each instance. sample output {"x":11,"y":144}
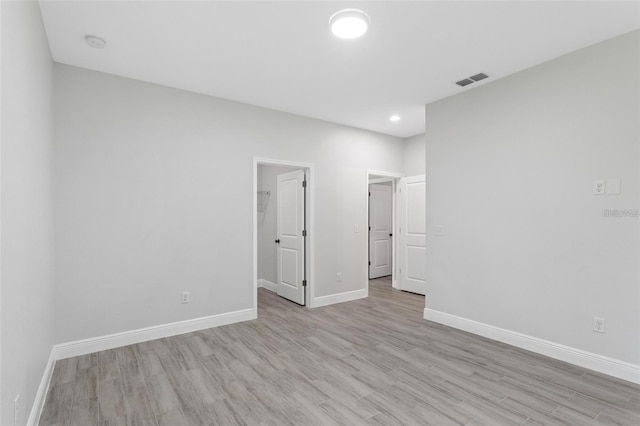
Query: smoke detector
{"x":95,"y":42}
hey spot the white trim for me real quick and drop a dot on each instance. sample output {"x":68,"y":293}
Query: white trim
{"x":613,"y":367}
{"x":310,"y":174}
{"x":381,"y":180}
{"x":116,"y":340}
{"x":340,"y":297}
{"x":41,"y":393}
{"x":266,"y":284}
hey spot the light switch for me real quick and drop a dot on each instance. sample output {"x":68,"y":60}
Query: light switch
{"x":598,"y":187}
{"x":613,"y":186}
{"x":356,"y":228}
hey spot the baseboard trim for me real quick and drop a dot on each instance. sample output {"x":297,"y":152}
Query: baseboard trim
{"x":613,"y":367}
{"x":339,"y":298}
{"x":101,"y":343}
{"x":41,"y":393}
{"x":267,"y":285}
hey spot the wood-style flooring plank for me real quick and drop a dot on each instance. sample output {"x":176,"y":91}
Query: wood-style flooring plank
{"x":373,"y":361}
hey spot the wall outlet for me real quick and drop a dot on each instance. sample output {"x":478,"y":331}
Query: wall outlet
{"x":339,"y":276}
{"x":16,"y":409}
{"x":598,"y":325}
{"x":438,"y":231}
{"x":599,"y":187}
{"x":186,"y":297}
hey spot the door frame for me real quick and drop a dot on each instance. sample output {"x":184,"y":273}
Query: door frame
{"x":379,"y":176}
{"x":310,"y":224}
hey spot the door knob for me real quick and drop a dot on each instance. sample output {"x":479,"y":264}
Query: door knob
{"x":278,"y":241}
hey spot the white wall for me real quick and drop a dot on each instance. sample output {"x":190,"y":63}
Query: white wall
{"x":27,"y":225}
{"x":526,"y":247}
{"x":414,"y":155}
{"x":154,"y":190}
{"x":267,"y":253}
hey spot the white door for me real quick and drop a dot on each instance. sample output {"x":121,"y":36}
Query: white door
{"x":412,"y":234}
{"x":289,"y":233}
{"x":380,"y":232}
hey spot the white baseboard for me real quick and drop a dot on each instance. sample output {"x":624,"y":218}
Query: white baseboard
{"x":41,"y":393}
{"x":267,"y":284}
{"x":339,"y":298}
{"x":613,"y":367}
{"x":101,"y":343}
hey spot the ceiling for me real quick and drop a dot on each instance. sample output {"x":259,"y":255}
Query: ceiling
{"x":283,"y":56}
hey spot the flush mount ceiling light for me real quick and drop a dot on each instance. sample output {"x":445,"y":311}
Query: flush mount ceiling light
{"x":394,"y":118}
{"x":95,"y":42}
{"x":349,"y":23}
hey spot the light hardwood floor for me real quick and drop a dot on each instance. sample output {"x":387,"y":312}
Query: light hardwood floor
{"x":370,"y":361}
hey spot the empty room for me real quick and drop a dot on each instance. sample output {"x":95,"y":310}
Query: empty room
{"x":319,"y":213}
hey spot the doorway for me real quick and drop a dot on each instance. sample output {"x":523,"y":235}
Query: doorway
{"x":282,"y":234}
{"x":381,"y":216}
{"x":380,"y":228}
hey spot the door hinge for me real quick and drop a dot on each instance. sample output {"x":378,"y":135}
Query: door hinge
{"x":304,"y":283}
{"x":304,"y":183}
{"x":369,"y":228}
{"x":369,"y":263}
{"x":304,"y":232}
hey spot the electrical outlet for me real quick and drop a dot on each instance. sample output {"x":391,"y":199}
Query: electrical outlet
{"x":599,"y":187}
{"x":16,"y":409}
{"x":438,"y":231}
{"x":186,"y":297}
{"x":339,"y":276}
{"x":598,"y":325}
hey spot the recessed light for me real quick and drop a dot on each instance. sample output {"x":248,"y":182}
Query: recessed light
{"x":349,"y":23}
{"x":95,"y":42}
{"x":394,"y":118}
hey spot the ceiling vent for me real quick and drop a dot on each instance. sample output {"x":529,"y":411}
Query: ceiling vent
{"x":464,"y":82}
{"x":472,"y":79}
{"x":478,"y":77}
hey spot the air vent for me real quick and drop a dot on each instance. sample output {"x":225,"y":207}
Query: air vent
{"x":464,"y":82}
{"x":478,"y":77}
{"x":472,"y":79}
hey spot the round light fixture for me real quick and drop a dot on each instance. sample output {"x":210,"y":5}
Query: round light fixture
{"x":394,"y":118}
{"x":349,"y":23}
{"x":95,"y":42}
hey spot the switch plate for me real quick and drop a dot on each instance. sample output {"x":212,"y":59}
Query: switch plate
{"x":598,"y":187}
{"x":438,"y":231}
{"x":613,"y":186}
{"x":339,"y":276}
{"x":186,"y":297}
{"x":356,"y":228}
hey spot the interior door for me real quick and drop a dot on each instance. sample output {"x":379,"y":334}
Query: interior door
{"x":380,"y":230}
{"x":290,"y":230}
{"x":412,"y":234}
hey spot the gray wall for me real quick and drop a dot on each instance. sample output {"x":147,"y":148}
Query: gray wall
{"x":26,"y":213}
{"x":154,"y":190}
{"x":414,"y":155}
{"x":510,"y":167}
